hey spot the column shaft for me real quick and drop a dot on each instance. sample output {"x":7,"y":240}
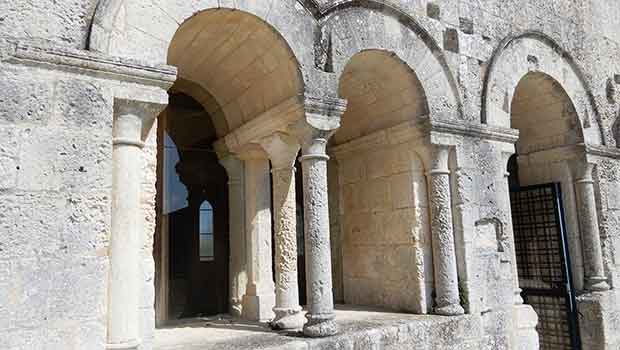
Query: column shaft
{"x":504,"y":203}
{"x":287,"y":308}
{"x":317,"y":241}
{"x":590,"y":236}
{"x":124,"y":274}
{"x":259,"y":299}
{"x":238,"y":268}
{"x":444,"y":255}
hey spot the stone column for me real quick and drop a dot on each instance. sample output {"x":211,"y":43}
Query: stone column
{"x":317,"y":242}
{"x":238,"y":266}
{"x":504,"y":205}
{"x":132,"y":120}
{"x":259,"y":298}
{"x":444,"y":255}
{"x":282,"y":150}
{"x":588,"y":221}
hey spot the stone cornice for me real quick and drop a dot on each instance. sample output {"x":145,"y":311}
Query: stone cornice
{"x":93,"y":64}
{"x":473,"y":130}
{"x":422,"y":130}
{"x":602,"y":151}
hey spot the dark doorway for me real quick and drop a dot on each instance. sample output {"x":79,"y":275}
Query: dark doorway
{"x":543,"y":261}
{"x":192,"y":243}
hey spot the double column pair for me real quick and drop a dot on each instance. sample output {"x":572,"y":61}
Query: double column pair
{"x":258,"y":299}
{"x":250,"y":201}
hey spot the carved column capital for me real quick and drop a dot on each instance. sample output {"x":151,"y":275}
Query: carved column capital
{"x":133,"y":120}
{"x":282,"y":150}
{"x":438,"y":160}
{"x":582,"y":170}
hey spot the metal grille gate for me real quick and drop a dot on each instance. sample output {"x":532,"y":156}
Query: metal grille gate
{"x":543,"y":263}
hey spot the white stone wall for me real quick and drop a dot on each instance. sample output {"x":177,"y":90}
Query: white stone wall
{"x":386,"y":248}
{"x":55,"y":145}
{"x":55,"y":158}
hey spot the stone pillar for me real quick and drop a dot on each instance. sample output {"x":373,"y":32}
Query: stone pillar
{"x":588,"y":221}
{"x":317,"y":240}
{"x":238,"y":266}
{"x":132,"y":120}
{"x":259,"y":298}
{"x":504,"y":205}
{"x":444,"y":255}
{"x":282,"y":150}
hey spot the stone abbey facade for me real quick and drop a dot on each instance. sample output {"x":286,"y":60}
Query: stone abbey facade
{"x":453,"y":164}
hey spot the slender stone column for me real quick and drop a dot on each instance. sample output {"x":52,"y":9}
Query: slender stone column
{"x":504,"y":204}
{"x":322,"y":118}
{"x":317,"y":244}
{"x":588,"y":221}
{"x":131,"y":120}
{"x":444,"y":256}
{"x":259,"y":298}
{"x":282,"y":150}
{"x":238,"y":266}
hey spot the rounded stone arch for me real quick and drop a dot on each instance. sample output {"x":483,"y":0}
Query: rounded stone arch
{"x":143,"y":29}
{"x":355,"y":26}
{"x":381,"y":91}
{"x":534,"y":52}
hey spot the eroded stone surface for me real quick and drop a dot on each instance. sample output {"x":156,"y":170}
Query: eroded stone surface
{"x":63,"y":64}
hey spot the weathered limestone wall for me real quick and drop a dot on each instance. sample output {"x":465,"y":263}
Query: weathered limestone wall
{"x":386,"y":248}
{"x":482,"y":239}
{"x":55,"y":153}
{"x":56,"y":121}
{"x":55,"y":166}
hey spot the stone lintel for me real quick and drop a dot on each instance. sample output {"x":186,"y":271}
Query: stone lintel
{"x":276,"y":119}
{"x":93,"y":64}
{"x":402,"y":133}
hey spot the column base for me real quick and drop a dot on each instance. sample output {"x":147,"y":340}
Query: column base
{"x":450,"y":310}
{"x":319,"y":326}
{"x":258,"y":307}
{"x":236,"y":308}
{"x":287,"y":318}
{"x":128,"y":345}
{"x":597,"y":284}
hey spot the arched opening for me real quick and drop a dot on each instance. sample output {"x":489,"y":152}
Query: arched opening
{"x":545,"y":222}
{"x":192,"y":215}
{"x":232,"y":69}
{"x":378,"y":190}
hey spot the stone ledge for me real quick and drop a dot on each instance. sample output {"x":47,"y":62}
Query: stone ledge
{"x":91,"y":63}
{"x":360,"y":328}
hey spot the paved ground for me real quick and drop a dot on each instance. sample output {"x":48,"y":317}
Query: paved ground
{"x":357,"y":325}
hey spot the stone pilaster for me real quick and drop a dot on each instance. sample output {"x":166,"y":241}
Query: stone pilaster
{"x":259,"y":298}
{"x":238,"y":265}
{"x":132,"y":120}
{"x":588,"y":222}
{"x":322,"y":118}
{"x":444,"y":255}
{"x":282,"y":150}
{"x":503,"y":203}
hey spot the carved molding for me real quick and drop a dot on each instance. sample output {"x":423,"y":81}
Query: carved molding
{"x":93,"y":64}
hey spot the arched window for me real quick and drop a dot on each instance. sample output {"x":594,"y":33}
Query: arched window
{"x":206,"y":231}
